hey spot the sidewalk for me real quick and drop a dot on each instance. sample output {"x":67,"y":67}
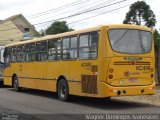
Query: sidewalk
{"x":148,"y":99}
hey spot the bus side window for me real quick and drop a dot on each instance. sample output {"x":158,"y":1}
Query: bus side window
{"x":13,"y":55}
{"x":41,"y":51}
{"x":70,"y":48}
{"x":7,"y":57}
{"x":73,"y":47}
{"x":94,"y":45}
{"x":21,"y":53}
{"x":66,"y":46}
{"x":54,"y":49}
{"x":31,"y":52}
{"x":88,"y":45}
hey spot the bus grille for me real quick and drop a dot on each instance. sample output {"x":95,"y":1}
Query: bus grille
{"x":89,"y":84}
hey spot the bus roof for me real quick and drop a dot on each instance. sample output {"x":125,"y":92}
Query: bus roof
{"x":80,"y":31}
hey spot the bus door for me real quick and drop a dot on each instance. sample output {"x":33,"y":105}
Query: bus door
{"x":7,"y":66}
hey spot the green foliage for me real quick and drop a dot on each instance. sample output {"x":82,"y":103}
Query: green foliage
{"x":156,"y":37}
{"x":58,"y":27}
{"x":41,"y":32}
{"x":37,"y":34}
{"x":140,"y":14}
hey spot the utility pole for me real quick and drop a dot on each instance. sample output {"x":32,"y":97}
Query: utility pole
{"x":44,"y":32}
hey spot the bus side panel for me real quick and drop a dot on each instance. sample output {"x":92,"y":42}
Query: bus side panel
{"x":8,"y":81}
{"x":80,"y":72}
{"x":72,"y":71}
{"x":85,"y":75}
{"x":55,"y":69}
{"x":34,"y":76}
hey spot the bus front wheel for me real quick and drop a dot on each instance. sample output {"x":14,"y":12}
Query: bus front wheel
{"x":16,"y":84}
{"x":63,"y":90}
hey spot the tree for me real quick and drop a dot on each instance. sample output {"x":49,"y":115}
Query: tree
{"x":58,"y":27}
{"x":157,"y":52}
{"x":37,"y":35}
{"x":156,"y":37}
{"x":140,"y":14}
{"x":41,"y":32}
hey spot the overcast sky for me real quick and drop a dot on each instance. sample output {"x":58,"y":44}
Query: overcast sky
{"x":31,"y":7}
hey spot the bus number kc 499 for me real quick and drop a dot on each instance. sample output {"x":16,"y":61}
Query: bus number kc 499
{"x":145,"y":68}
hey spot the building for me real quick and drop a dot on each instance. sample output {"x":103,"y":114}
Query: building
{"x":15,"y":28}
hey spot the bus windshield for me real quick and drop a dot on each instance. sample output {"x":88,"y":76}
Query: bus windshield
{"x":130,"y":41}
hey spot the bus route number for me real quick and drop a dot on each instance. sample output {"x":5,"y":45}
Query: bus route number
{"x":140,"y":68}
{"x":86,"y":65}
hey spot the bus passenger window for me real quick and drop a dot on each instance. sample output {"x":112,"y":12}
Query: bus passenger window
{"x":54,"y":49}
{"x":94,"y":45}
{"x":30,"y":52}
{"x":88,"y":46}
{"x":66,"y":43}
{"x":84,"y":41}
{"x":66,"y":46}
{"x":13,"y":54}
{"x":21,"y":53}
{"x":94,"y":39}
{"x":41,"y":51}
{"x":7,"y":57}
{"x":73,"y":47}
{"x":70,"y":48}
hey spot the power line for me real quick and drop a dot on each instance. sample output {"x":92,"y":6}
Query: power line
{"x":76,"y":14}
{"x":69,"y":11}
{"x":45,"y":24}
{"x":70,"y":16}
{"x":68,"y":4}
{"x":58,"y":8}
{"x":84,"y":18}
{"x":99,"y":14}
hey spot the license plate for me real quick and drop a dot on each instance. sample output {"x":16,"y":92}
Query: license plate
{"x":133,"y":79}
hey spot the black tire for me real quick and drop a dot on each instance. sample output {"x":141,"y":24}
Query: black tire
{"x":108,"y":98}
{"x":16,"y":84}
{"x":63,"y":90}
{"x":1,"y":84}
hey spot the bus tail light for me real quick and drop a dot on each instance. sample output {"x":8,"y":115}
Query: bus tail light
{"x":110,"y":76}
{"x":152,"y":75}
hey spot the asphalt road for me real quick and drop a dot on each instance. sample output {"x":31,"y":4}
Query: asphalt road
{"x":45,"y":104}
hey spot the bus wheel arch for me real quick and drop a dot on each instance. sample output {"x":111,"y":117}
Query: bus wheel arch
{"x":15,"y":83}
{"x":62,"y":88}
{"x":13,"y":76}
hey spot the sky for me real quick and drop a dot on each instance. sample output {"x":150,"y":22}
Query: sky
{"x":114,"y":14}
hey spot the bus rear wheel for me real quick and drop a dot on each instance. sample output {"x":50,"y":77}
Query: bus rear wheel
{"x":63,"y":90}
{"x":16,"y":84}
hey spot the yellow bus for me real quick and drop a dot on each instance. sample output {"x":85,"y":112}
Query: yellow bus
{"x":102,"y":62}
